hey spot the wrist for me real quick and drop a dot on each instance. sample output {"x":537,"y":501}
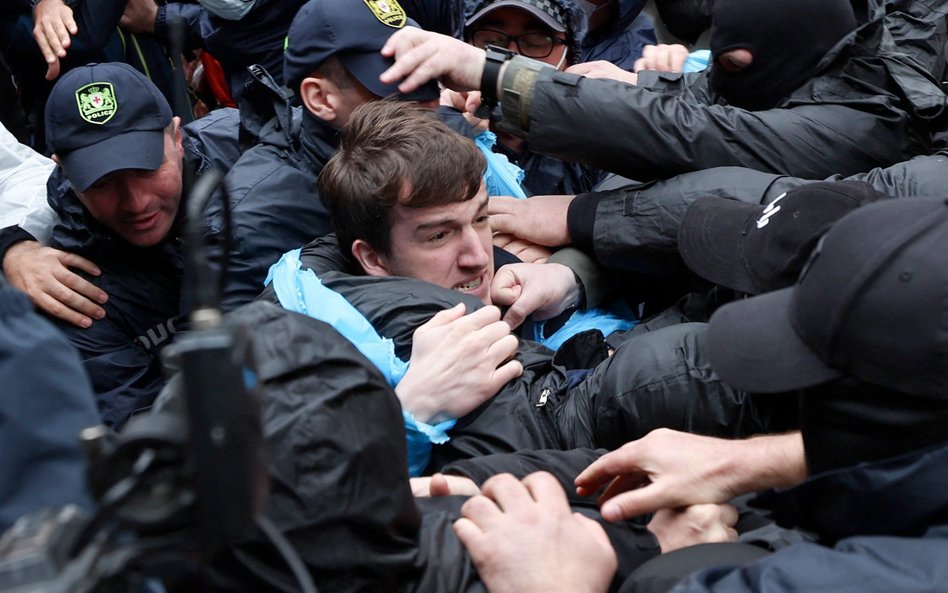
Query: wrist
{"x":495,"y":62}
{"x":152,"y":19}
{"x":416,"y":401}
{"x":772,"y":461}
{"x":13,"y":240}
{"x":573,"y":296}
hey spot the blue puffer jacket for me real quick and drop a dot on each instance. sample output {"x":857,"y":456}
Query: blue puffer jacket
{"x":121,"y":351}
{"x":887,"y":523}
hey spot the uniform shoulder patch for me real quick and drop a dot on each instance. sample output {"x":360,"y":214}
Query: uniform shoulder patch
{"x":388,"y":12}
{"x":97,"y":102}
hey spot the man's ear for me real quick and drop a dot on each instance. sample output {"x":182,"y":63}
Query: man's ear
{"x":372,"y":262}
{"x":318,"y":96}
{"x":176,"y":134}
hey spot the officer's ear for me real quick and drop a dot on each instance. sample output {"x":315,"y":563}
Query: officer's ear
{"x":372,"y":261}
{"x":319,"y":96}
{"x":176,"y":136}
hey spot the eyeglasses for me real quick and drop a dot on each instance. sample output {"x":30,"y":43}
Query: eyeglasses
{"x":532,"y":45}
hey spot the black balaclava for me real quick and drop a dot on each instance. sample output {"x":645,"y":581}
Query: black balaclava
{"x":847,"y":422}
{"x":787,"y":38}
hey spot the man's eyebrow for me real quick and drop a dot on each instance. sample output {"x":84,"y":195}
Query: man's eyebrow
{"x":435,"y":223}
{"x":446,"y":221}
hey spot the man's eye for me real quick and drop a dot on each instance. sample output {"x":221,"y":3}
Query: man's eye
{"x":535,"y":40}
{"x":438,"y":237}
{"x":482,"y":220}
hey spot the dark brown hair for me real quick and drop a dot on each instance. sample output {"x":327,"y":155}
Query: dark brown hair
{"x":394,"y":152}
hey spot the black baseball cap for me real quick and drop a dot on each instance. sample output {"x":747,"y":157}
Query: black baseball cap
{"x":354,"y":31}
{"x":871,"y":304}
{"x":755,"y":249}
{"x":550,"y":13}
{"x":102,"y":118}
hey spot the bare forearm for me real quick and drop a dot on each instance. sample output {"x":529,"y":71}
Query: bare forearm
{"x":772,"y":461}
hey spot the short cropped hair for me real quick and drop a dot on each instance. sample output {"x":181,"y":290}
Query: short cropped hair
{"x":334,"y":70}
{"x":394,"y":152}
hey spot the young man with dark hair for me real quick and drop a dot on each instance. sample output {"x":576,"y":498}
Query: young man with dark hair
{"x":419,"y":198}
{"x":410,"y":210}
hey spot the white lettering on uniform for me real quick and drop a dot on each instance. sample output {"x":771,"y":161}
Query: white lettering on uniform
{"x":771,"y":209}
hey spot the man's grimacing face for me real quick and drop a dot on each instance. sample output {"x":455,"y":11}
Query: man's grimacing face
{"x":137,"y":204}
{"x":449,"y":245}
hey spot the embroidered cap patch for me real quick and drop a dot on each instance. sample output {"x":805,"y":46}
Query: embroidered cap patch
{"x":97,"y":103}
{"x":388,"y":12}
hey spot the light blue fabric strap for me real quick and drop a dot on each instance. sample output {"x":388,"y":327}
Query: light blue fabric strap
{"x":697,"y":60}
{"x":501,"y":178}
{"x":302,"y":291}
{"x":605,"y":321}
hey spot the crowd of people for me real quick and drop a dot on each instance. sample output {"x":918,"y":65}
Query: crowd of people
{"x":533,"y":301}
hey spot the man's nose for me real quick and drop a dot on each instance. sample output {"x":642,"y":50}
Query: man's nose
{"x":135,"y":195}
{"x":473,"y":254}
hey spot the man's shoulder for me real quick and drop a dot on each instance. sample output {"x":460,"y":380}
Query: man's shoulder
{"x":213,"y":140}
{"x":269,"y":168}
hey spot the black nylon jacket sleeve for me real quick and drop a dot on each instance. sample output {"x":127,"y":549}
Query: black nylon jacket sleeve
{"x":641,"y":134}
{"x":636,"y":228}
{"x":869,"y":107}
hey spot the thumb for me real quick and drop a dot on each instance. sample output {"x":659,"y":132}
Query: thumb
{"x":505,"y":294}
{"x":503,"y":223}
{"x":472,"y":101}
{"x":516,"y":314}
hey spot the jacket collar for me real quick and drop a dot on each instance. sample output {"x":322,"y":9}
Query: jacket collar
{"x":318,"y":141}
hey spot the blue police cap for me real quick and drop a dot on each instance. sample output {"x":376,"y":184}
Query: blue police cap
{"x":102,"y":118}
{"x":355,"y":32}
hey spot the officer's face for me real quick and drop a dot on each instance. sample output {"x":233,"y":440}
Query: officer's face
{"x":137,"y":204}
{"x":513,"y":23}
{"x":446,"y":245}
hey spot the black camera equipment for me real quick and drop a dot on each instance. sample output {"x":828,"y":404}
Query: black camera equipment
{"x":170,"y":488}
